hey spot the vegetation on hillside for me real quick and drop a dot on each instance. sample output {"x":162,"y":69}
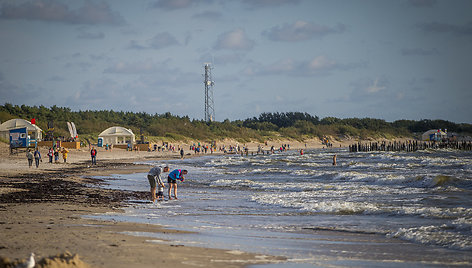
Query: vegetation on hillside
{"x":293,"y":125}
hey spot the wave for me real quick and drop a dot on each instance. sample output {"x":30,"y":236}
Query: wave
{"x":300,"y":201}
{"x":444,"y":236}
{"x":345,"y":230}
{"x":365,"y":201}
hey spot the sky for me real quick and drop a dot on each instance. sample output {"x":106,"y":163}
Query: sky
{"x":391,"y":60}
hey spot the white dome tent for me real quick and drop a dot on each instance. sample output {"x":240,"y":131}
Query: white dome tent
{"x":117,"y":135}
{"x":34,"y":131}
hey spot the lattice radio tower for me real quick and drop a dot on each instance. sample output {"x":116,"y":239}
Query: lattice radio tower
{"x":209,"y":104}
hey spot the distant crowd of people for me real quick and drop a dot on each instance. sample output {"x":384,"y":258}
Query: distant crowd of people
{"x":53,"y":153}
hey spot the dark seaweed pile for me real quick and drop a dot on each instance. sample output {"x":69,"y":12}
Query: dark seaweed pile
{"x":56,"y":186}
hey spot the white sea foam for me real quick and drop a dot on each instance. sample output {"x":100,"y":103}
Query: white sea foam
{"x":305,"y":201}
{"x":420,"y":188}
{"x":464,"y":222}
{"x":436,"y":235}
{"x":236,"y":183}
{"x":314,"y":172}
{"x":437,"y":212}
{"x":326,"y":200}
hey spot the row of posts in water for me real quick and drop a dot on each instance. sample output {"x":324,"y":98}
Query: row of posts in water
{"x":409,"y":146}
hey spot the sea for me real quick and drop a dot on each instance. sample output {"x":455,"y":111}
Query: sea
{"x":372,"y":209}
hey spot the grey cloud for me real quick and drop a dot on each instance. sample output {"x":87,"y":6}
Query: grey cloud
{"x":234,"y":40}
{"x":188,"y":38}
{"x":178,"y":4}
{"x":414,"y":82}
{"x":222,"y":59}
{"x":318,"y":66}
{"x":83,"y":66}
{"x":8,"y":91}
{"x":161,"y":40}
{"x":419,"y":52}
{"x":422,"y":3}
{"x":128,"y":31}
{"x":152,"y":73}
{"x":439,"y":27}
{"x":21,"y":94}
{"x":91,"y":13}
{"x":370,"y":90}
{"x":142,"y":67}
{"x":268,"y":3}
{"x":88,"y":35}
{"x":210,"y":15}
{"x":140,"y":93}
{"x":133,"y":44}
{"x":56,"y":78}
{"x":110,"y":94}
{"x":99,"y":57}
{"x":301,"y":31}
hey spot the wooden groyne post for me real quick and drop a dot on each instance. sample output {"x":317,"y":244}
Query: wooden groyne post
{"x":409,"y":146}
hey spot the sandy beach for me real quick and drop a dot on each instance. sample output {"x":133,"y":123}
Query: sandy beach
{"x":42,"y":211}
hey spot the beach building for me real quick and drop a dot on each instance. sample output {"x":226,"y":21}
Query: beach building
{"x":434,"y":135}
{"x":34,"y":132}
{"x":117,"y":135}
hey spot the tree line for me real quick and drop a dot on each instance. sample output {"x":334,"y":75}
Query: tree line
{"x":295,"y":125}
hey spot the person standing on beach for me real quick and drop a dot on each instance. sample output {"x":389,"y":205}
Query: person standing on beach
{"x":334,"y":160}
{"x":154,"y":177}
{"x":176,"y":174}
{"x":93,"y":154}
{"x":56,"y":155}
{"x":30,"y":157}
{"x":37,"y":157}
{"x":64,"y":154}
{"x":182,"y":153}
{"x":50,"y":154}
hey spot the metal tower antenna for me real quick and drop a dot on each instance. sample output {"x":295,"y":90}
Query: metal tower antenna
{"x":209,"y":104}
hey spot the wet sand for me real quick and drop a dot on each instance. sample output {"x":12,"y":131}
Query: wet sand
{"x":42,"y":212}
{"x":42,"y":209}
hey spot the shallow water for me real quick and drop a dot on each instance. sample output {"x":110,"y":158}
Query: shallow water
{"x":303,"y":207}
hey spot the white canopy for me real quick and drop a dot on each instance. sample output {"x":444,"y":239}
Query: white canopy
{"x":117,"y":135}
{"x":33,"y":131}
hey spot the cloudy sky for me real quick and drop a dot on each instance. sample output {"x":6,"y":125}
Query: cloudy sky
{"x":398,"y":59}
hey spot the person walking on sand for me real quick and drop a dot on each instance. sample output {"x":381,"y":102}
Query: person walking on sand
{"x":50,"y":154}
{"x":30,"y":157}
{"x":182,"y":153}
{"x":56,"y":155}
{"x":93,"y":154}
{"x":176,"y":174}
{"x":154,"y":177}
{"x":64,"y":154}
{"x":37,"y":157}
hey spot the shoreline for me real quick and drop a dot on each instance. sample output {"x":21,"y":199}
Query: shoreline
{"x":43,"y":209}
{"x":42,"y":212}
